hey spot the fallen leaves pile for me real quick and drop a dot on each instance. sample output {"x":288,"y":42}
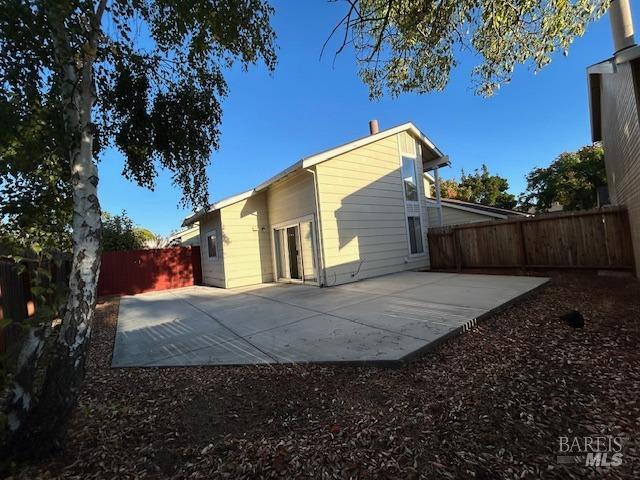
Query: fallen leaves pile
{"x":491,"y":403}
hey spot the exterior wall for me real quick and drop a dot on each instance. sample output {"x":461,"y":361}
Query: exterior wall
{"x":188,"y":236}
{"x":364,"y":226}
{"x":291,"y":198}
{"x":427,"y":186}
{"x":212,"y":269}
{"x":247,"y":242}
{"x":621,"y":141}
{"x":455,"y":216}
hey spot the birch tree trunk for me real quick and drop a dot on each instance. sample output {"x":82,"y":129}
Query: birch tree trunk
{"x":37,"y":423}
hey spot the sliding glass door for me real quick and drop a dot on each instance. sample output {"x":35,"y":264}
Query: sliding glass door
{"x":295,"y":251}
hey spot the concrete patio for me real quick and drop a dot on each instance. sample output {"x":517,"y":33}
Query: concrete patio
{"x":384,"y":321}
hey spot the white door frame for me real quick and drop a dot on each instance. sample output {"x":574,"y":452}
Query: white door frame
{"x":295,"y":223}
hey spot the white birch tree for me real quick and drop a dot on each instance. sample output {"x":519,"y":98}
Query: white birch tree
{"x":146,"y":76}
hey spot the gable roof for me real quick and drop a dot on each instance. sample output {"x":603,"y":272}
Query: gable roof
{"x":482,"y":209}
{"x":432,"y":158}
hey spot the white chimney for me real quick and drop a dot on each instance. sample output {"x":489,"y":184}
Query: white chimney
{"x":373,"y":127}
{"x":621,"y":24}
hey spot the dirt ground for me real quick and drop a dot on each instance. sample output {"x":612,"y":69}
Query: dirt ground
{"x":491,"y":403}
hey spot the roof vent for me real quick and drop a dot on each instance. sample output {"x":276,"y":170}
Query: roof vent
{"x":373,"y":127}
{"x":621,"y":25}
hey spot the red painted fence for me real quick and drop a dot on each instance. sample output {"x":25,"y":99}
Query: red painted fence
{"x":128,"y":272}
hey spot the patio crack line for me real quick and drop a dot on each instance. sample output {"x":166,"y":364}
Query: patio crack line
{"x":342,"y":318}
{"x":230,"y":329}
{"x":225,"y":342}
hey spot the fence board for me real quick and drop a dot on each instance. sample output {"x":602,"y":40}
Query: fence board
{"x":129,"y":272}
{"x":594,"y":239}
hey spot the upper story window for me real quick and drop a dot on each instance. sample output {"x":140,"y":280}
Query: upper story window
{"x":212,"y":246}
{"x":409,"y":179}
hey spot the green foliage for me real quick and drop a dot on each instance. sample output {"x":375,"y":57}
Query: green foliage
{"x":411,"y":45}
{"x":120,"y":233}
{"x":35,"y":193}
{"x":159,"y":75}
{"x":145,"y":235}
{"x":571,"y":180}
{"x":480,"y":187}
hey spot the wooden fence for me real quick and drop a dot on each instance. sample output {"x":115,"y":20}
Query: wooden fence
{"x":122,"y":272}
{"x":129,"y":272}
{"x":594,"y":239}
{"x":16,"y":301}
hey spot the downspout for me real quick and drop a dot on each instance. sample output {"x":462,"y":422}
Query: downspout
{"x":436,"y":176}
{"x":323,"y":270}
{"x":621,"y":25}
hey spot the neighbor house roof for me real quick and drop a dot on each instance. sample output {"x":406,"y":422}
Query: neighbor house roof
{"x":432,"y":158}
{"x":482,"y":209}
{"x":594,"y":75}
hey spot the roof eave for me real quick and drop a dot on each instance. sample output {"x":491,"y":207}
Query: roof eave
{"x":308,"y":162}
{"x":347,"y":147}
{"x":442,"y":161}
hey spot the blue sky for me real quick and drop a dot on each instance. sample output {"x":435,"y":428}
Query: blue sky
{"x":272,"y":120}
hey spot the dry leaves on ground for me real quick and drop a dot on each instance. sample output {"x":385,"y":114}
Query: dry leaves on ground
{"x":491,"y":403}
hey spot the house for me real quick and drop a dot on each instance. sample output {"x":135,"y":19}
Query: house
{"x":186,"y":237}
{"x":351,"y":212}
{"x":455,"y":212}
{"x":614,"y":98}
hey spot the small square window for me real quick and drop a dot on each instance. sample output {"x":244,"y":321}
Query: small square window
{"x":415,"y":235}
{"x":212,"y":245}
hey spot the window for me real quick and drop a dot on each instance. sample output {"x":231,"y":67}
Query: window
{"x":415,"y":235}
{"x":212,"y":245}
{"x":635,"y":74}
{"x":409,"y":179}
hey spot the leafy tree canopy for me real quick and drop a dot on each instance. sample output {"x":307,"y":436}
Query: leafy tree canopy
{"x":158,"y":71}
{"x":120,"y":233}
{"x":571,"y":180}
{"x":35,"y":194}
{"x":480,"y":187}
{"x":412,"y":45}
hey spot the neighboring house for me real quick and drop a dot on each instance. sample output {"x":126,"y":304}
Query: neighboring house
{"x":614,"y":94}
{"x":185,"y":237}
{"x":555,"y":207}
{"x":455,"y":212}
{"x":348,"y":213}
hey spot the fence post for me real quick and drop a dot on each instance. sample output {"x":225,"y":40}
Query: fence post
{"x":196,"y":264}
{"x":456,"y":249}
{"x":523,"y":246}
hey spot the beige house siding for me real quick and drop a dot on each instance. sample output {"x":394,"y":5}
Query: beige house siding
{"x":364,"y":227}
{"x":247,"y":242}
{"x":188,"y":236}
{"x":292,"y":197}
{"x":212,"y":269}
{"x":621,"y":141}
{"x":427,"y":187}
{"x":456,"y":216}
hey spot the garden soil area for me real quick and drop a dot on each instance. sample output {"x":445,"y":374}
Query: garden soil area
{"x":490,"y":403}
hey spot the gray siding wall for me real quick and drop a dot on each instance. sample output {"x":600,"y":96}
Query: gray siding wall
{"x":621,"y":140}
